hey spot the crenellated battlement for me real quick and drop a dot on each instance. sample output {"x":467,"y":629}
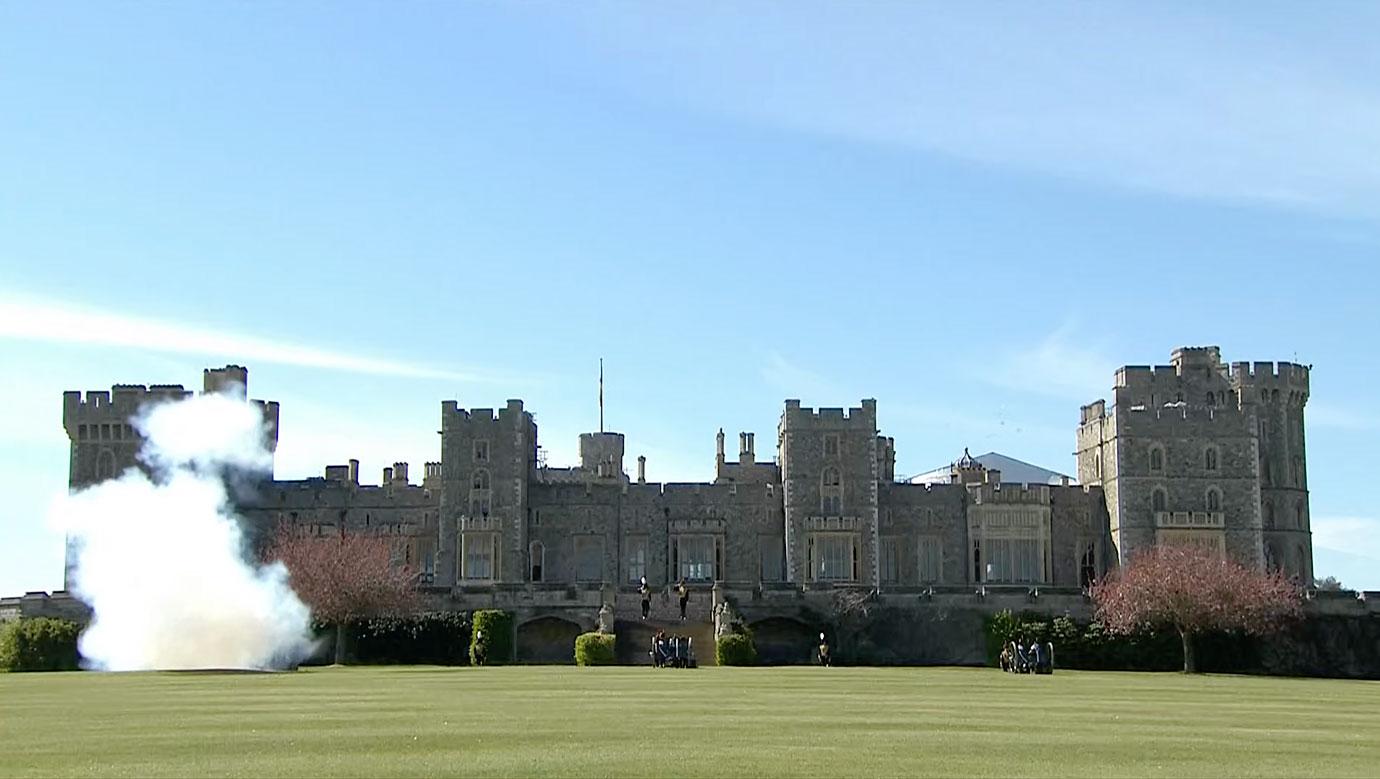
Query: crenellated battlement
{"x":452,"y":416}
{"x":1287,"y":377}
{"x":862,"y":417}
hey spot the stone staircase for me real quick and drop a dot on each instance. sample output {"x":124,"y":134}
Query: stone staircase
{"x":635,"y":634}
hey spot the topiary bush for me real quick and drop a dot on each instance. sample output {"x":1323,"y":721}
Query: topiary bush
{"x":735,"y":649}
{"x":497,"y":627}
{"x":39,"y":644}
{"x":594,"y":649}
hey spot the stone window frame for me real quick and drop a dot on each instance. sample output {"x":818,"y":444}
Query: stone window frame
{"x":890,"y":550}
{"x":634,"y":569}
{"x":679,"y":564}
{"x":481,"y":450}
{"x":1156,"y":449}
{"x":1212,"y":498}
{"x":926,"y":544}
{"x":1087,"y":559}
{"x":481,"y":493}
{"x":105,"y":464}
{"x":832,"y":442}
{"x":831,"y":491}
{"x":463,"y":559}
{"x":576,"y":542}
{"x":814,"y":544}
{"x":1212,"y":458}
{"x":536,"y":561}
{"x":1163,"y":494}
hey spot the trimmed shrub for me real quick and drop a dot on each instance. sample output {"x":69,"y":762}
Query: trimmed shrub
{"x":594,"y":649}
{"x":735,"y":649}
{"x":497,"y":627}
{"x":39,"y":644}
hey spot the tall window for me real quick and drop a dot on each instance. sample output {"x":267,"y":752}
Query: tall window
{"x":637,"y":558}
{"x":1156,"y":459}
{"x":931,"y":560}
{"x":589,"y":558}
{"x":1015,"y":560}
{"x":105,"y":464}
{"x":831,"y":445}
{"x":536,"y":561}
{"x":890,"y":564}
{"x":834,"y":556}
{"x":477,"y":557}
{"x":1214,"y":499}
{"x":831,"y":492}
{"x":1097,"y":464}
{"x":1159,"y":500}
{"x":1269,"y":516}
{"x":695,"y":558}
{"x":1210,"y":458}
{"x":1087,"y":565}
{"x":481,"y":496}
{"x":481,"y":451}
{"x":772,"y":550}
{"x":1298,"y":515}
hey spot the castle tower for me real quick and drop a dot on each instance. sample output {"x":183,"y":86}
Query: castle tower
{"x":100,"y":425}
{"x":1278,"y":393}
{"x":486,"y":462}
{"x":830,"y":465}
{"x":1182,"y":457}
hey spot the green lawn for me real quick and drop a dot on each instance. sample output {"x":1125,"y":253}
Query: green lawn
{"x":707,"y":722}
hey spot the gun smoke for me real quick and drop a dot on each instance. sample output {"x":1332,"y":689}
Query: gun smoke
{"x":161,"y":557}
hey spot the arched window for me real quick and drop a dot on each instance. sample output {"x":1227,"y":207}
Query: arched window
{"x":1298,"y":515}
{"x":1269,"y":516}
{"x":536,"y":560}
{"x":1156,"y":459}
{"x":105,"y":465}
{"x":1211,"y":399}
{"x":1210,"y":458}
{"x":1271,"y":559}
{"x":831,"y":492}
{"x":1214,"y":499}
{"x":1159,"y":500}
{"x":481,"y":479}
{"x":1087,"y":566}
{"x":1097,"y":465}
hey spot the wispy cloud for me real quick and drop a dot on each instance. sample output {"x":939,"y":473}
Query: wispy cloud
{"x":1179,"y":102}
{"x":1353,"y":535}
{"x":47,"y":321}
{"x":1063,"y":364}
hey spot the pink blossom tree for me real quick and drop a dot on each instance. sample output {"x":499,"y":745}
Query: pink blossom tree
{"x":343,"y":576}
{"x":1193,"y":590}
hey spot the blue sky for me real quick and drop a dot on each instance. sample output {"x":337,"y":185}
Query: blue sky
{"x":973,"y":214}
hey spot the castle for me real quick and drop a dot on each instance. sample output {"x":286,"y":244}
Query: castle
{"x":1190,"y":452}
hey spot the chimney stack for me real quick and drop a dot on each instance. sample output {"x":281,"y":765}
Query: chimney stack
{"x":641,"y":469}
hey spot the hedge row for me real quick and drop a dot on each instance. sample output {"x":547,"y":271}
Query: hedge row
{"x":39,"y":644}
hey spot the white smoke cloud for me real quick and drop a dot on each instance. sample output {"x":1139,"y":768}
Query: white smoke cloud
{"x":162,"y":560}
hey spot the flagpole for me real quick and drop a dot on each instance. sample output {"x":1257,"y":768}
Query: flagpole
{"x":601,"y":394}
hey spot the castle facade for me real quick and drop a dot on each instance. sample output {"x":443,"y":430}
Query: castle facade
{"x":1189,"y":452}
